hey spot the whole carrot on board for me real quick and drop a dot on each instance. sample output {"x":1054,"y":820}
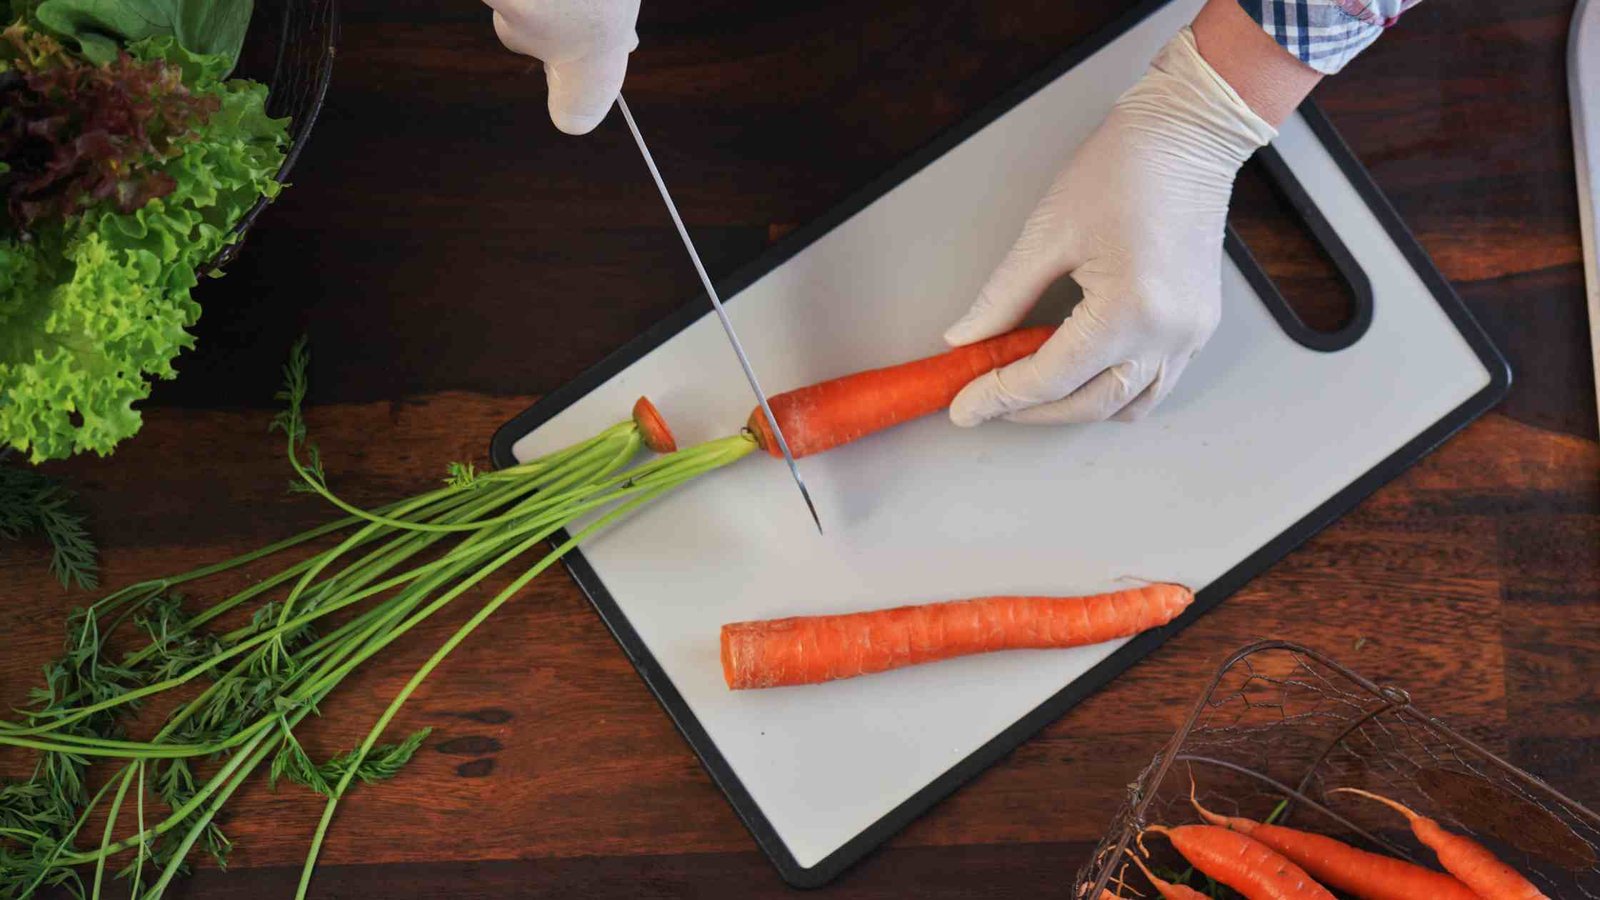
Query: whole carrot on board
{"x":1167,"y":889}
{"x":813,"y":649}
{"x":1242,"y":863}
{"x":1465,"y":858}
{"x":1367,"y":876}
{"x":825,"y":415}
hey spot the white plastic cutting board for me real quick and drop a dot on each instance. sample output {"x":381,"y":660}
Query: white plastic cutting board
{"x":1261,"y":432}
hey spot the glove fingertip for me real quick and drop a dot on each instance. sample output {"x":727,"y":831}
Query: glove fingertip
{"x":958,"y":335}
{"x":976,"y":403}
{"x":575,"y":123}
{"x":584,"y":90}
{"x":962,"y":416}
{"x":980,"y":323}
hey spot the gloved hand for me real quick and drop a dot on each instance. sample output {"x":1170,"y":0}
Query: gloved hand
{"x":1137,"y":219}
{"x":584,"y":45}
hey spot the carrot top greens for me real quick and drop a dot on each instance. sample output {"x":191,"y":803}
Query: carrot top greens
{"x":233,"y":680}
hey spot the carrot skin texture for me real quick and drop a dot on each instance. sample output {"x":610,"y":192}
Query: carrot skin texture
{"x":814,"y":649}
{"x":1243,"y":863}
{"x":824,"y":415}
{"x":652,"y":427}
{"x":1368,"y":876}
{"x":1474,"y":865}
{"x":1469,"y":861}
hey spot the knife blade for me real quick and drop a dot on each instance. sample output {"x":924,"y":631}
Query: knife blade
{"x":1583,"y":92}
{"x":722,"y":315}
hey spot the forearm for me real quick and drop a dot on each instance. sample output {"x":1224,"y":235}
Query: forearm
{"x":1266,"y":76}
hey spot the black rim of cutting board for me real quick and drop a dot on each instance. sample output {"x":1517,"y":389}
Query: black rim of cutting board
{"x":1119,"y":661}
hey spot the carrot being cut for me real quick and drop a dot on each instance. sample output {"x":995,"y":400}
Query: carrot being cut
{"x":825,"y":415}
{"x":1167,"y":889}
{"x":1243,"y":863}
{"x":813,"y":649}
{"x":1465,"y":858}
{"x":652,"y":427}
{"x":1367,"y":876}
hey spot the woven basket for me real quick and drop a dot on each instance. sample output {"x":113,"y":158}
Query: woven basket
{"x":1282,"y":724}
{"x":290,"y":48}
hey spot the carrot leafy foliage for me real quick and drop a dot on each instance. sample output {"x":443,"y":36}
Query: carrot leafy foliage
{"x":229,"y":683}
{"x":34,"y":503}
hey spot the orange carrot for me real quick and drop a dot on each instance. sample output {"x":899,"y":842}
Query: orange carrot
{"x":1243,"y":863}
{"x":652,"y":427}
{"x":1463,"y":857}
{"x":825,"y":415}
{"x":1167,"y":889}
{"x":1367,"y":876}
{"x":812,"y":649}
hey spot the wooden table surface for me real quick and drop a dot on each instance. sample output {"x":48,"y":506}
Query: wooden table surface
{"x":453,"y":257}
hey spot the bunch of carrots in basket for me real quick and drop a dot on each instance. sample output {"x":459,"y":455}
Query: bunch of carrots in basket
{"x":1264,"y":861}
{"x":160,"y":709}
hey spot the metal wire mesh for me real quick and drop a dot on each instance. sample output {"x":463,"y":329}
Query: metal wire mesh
{"x":291,"y":48}
{"x":1281,"y":723}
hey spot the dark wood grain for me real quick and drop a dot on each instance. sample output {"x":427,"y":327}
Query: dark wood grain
{"x":452,"y":257}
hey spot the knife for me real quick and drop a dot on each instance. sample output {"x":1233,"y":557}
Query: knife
{"x":722,"y":315}
{"x":1583,"y":91}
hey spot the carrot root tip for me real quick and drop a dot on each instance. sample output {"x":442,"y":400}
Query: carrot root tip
{"x":1401,"y":808}
{"x":1212,"y":818}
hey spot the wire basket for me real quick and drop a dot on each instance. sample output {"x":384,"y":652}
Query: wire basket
{"x":290,"y":47}
{"x":1283,"y":724}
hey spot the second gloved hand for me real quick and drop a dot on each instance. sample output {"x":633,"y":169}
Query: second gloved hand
{"x":1136,"y":219}
{"x":584,"y":45}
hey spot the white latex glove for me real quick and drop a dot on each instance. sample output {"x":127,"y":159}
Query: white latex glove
{"x":1137,"y":219}
{"x":584,"y":45}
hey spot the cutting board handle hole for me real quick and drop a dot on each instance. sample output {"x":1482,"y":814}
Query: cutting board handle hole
{"x":1304,"y":273}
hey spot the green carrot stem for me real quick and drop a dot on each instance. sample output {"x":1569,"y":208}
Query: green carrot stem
{"x":111,"y":824}
{"x":237,"y":763}
{"x":595,"y":448}
{"x":707,"y":457}
{"x":19,"y":737}
{"x":428,"y":667}
{"x":232,"y":602}
{"x":66,"y":839}
{"x":326,"y":559}
{"x":254,"y":756}
{"x":500,"y":516}
{"x":144,"y":845}
{"x":628,"y":439}
{"x":155,"y":588}
{"x":8,"y":735}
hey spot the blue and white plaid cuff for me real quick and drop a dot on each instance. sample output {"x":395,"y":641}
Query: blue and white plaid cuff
{"x":1325,"y":34}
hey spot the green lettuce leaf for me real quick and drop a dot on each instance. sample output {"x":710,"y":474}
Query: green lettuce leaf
{"x":93,"y":307}
{"x":212,"y":27}
{"x":100,"y":28}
